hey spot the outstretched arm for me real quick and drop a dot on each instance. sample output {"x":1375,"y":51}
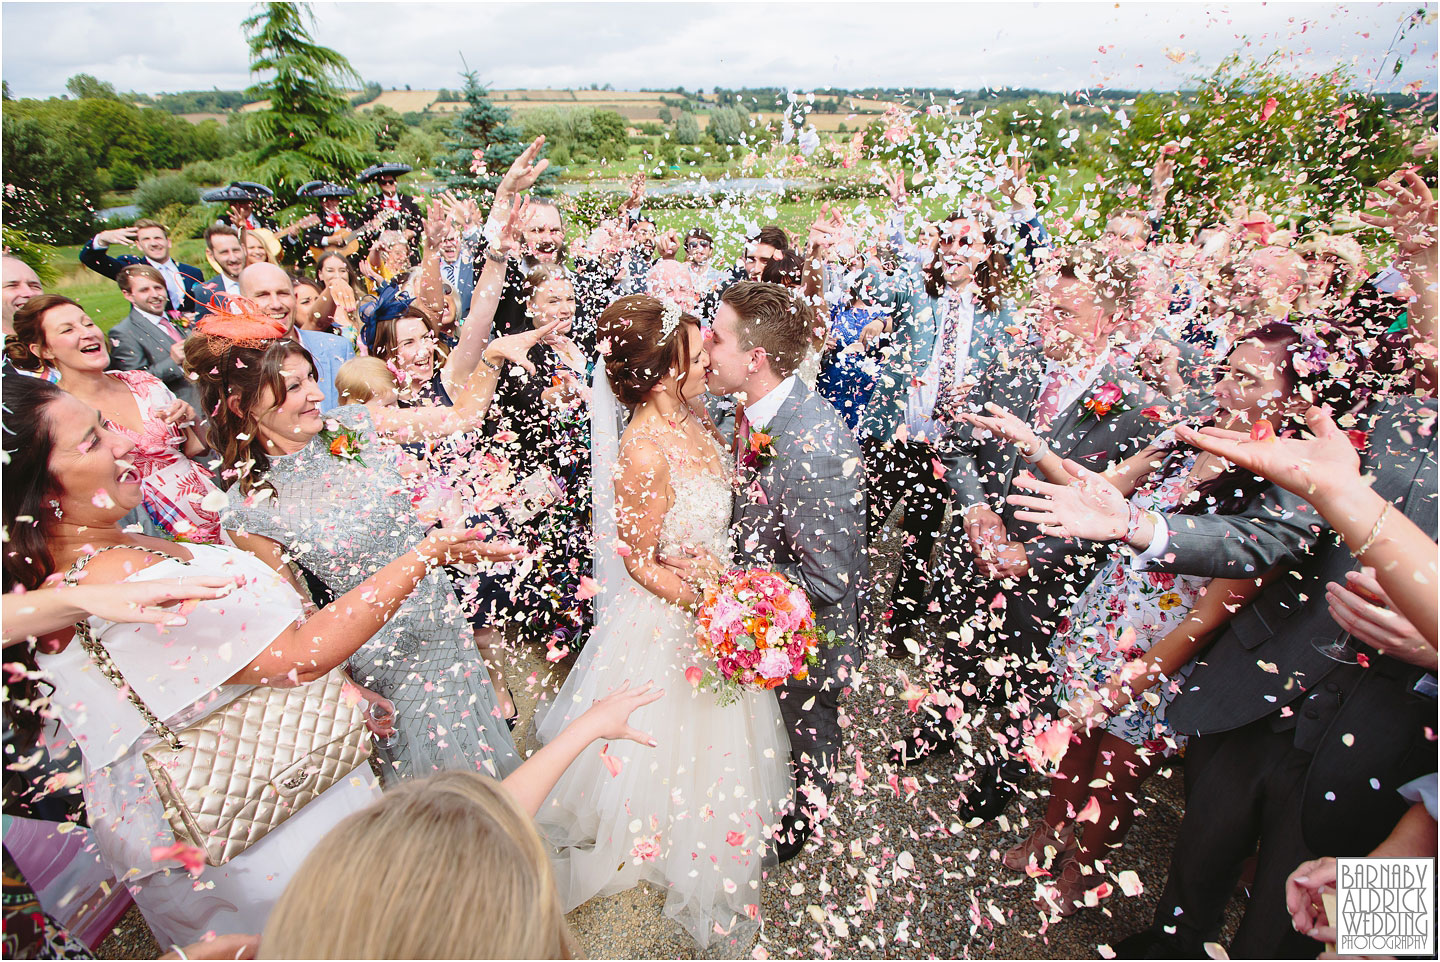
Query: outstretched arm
{"x":475,"y":333}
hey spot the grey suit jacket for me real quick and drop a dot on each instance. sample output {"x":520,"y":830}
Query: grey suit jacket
{"x":1229,"y":687}
{"x":136,"y":344}
{"x":982,"y":471}
{"x":803,"y":514}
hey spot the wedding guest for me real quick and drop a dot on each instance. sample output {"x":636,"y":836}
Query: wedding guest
{"x":332,"y":498}
{"x":314,"y":311}
{"x":59,"y":454}
{"x":699,"y":249}
{"x":149,"y":338}
{"x":56,"y":332}
{"x":954,"y":315}
{"x":270,"y":288}
{"x":19,"y":283}
{"x":226,"y":255}
{"x":261,"y":246}
{"x":153,"y":240}
{"x":395,"y":211}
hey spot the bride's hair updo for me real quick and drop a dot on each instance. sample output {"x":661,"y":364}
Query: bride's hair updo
{"x":637,"y":356}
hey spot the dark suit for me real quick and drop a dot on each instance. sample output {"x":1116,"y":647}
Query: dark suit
{"x":103,"y":262}
{"x":983,"y":472}
{"x":803,"y":514}
{"x":1294,"y":749}
{"x":137,"y":344}
{"x":203,"y":292}
{"x":408,"y":217}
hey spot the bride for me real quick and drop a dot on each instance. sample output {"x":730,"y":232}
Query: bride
{"x":693,"y":816}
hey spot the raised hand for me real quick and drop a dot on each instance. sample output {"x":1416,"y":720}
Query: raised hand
{"x":667,"y":244}
{"x":611,"y":715}
{"x":437,"y":222}
{"x":1012,"y":183}
{"x":512,"y":233}
{"x":524,"y":171}
{"x":1162,"y":178}
{"x":1311,"y":467}
{"x":1091,"y":507}
{"x":120,"y":235}
{"x":1409,"y":210}
{"x":515,"y":348}
{"x":894,"y":184}
{"x":1003,"y":423}
{"x":637,"y":192}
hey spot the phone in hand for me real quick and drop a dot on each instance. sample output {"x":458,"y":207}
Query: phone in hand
{"x":531,"y":495}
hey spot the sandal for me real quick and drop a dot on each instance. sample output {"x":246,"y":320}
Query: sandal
{"x":1044,"y":848}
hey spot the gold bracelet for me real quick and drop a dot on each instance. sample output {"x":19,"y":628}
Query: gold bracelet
{"x":1374,"y":532}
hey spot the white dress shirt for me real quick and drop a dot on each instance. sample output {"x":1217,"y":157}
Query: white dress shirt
{"x":763,"y":410}
{"x":1077,"y":380}
{"x":952,"y":334}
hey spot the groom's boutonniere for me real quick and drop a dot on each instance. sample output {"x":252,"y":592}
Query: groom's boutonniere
{"x":1103,"y":400}
{"x":760,"y":448}
{"x":341,"y":442}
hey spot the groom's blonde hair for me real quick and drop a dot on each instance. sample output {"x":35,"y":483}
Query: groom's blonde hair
{"x":773,"y":318}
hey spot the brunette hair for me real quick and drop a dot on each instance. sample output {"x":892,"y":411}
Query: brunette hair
{"x":125,"y":279}
{"x":387,"y":341}
{"x":30,"y":331}
{"x":214,"y":230}
{"x":444,"y":867}
{"x":639,"y":357}
{"x":326,"y":320}
{"x":786,"y":268}
{"x":351,"y":275}
{"x":224,"y":371}
{"x":772,"y":318}
{"x":774,"y":236}
{"x":992,"y":275}
{"x":29,"y":487}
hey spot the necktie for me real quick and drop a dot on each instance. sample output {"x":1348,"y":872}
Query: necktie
{"x":949,"y":359}
{"x":170,"y":329}
{"x":742,"y":434}
{"x":451,"y":274}
{"x":172,"y":283}
{"x":1049,"y":404}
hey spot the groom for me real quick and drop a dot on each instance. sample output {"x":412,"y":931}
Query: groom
{"x":799,"y":510}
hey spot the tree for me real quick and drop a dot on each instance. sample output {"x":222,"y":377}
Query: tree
{"x":687,"y":129}
{"x":728,"y":125}
{"x":82,"y":86}
{"x":485,"y":127}
{"x":309,"y":131}
{"x":388,"y":125}
{"x":50,"y":187}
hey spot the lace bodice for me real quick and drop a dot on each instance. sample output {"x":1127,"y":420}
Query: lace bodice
{"x":700,"y":513}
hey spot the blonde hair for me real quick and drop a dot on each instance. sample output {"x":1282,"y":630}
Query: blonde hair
{"x":360,"y":379}
{"x":447,"y":867}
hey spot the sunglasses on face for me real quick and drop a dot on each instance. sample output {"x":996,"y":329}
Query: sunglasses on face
{"x":695,"y":245}
{"x":386,"y":181}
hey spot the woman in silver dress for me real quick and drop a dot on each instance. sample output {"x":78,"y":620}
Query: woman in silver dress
{"x":323,"y":492}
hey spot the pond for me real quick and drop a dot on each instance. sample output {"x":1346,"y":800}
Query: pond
{"x":699,"y":185}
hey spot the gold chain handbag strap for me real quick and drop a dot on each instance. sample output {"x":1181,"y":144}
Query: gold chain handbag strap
{"x":102,"y":658}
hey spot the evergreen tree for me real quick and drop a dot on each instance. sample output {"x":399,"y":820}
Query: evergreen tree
{"x":485,"y":127}
{"x":309,"y":131}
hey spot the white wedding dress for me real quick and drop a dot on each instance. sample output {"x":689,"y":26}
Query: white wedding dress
{"x":693,"y":815}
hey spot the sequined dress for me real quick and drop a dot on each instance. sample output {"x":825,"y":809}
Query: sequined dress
{"x":344,"y":520}
{"x":690,"y":815}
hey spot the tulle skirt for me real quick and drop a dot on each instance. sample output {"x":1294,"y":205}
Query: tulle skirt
{"x":693,"y":815}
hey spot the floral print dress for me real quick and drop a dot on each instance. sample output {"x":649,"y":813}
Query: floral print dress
{"x":1121,"y":615}
{"x":173,"y":486}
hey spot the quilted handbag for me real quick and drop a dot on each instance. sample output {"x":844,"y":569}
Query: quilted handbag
{"x":233,"y":776}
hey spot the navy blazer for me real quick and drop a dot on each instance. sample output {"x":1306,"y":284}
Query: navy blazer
{"x":201,"y":294}
{"x":103,"y":262}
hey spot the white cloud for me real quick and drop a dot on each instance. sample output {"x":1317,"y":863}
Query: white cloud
{"x":178,"y":46}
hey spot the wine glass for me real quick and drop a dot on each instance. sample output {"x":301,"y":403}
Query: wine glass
{"x":1340,"y":649}
{"x":383,"y":713}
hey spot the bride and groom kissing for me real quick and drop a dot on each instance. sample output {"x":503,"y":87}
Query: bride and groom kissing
{"x":726,"y":788}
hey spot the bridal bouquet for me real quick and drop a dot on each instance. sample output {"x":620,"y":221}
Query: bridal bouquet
{"x":756,"y":630}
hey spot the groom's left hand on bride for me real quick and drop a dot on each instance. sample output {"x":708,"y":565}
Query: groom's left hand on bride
{"x":611,"y":715}
{"x":1006,"y":559}
{"x":693,"y":564}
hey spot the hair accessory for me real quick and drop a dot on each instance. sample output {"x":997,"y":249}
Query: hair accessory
{"x":241,"y":321}
{"x":388,"y":305}
{"x":669,"y":318}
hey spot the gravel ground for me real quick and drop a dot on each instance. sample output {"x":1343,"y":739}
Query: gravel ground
{"x":895,"y":875}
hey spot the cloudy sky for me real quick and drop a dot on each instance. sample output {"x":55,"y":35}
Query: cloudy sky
{"x":154,"y":47}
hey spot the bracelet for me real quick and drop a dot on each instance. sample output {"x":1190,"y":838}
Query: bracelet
{"x":489,"y":363}
{"x":1037,"y":456}
{"x":179,"y":951}
{"x":491,"y":254}
{"x":1374,"y":532}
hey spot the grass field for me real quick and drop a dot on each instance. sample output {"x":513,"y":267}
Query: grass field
{"x":99,"y":295}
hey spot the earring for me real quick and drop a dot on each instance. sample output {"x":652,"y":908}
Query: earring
{"x":55,"y":506}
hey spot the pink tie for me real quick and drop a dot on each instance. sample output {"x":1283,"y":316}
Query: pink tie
{"x":170,"y":329}
{"x":1049,"y":404}
{"x":742,"y":434}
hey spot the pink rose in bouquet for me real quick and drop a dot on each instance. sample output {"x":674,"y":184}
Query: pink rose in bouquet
{"x":756,"y":630}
